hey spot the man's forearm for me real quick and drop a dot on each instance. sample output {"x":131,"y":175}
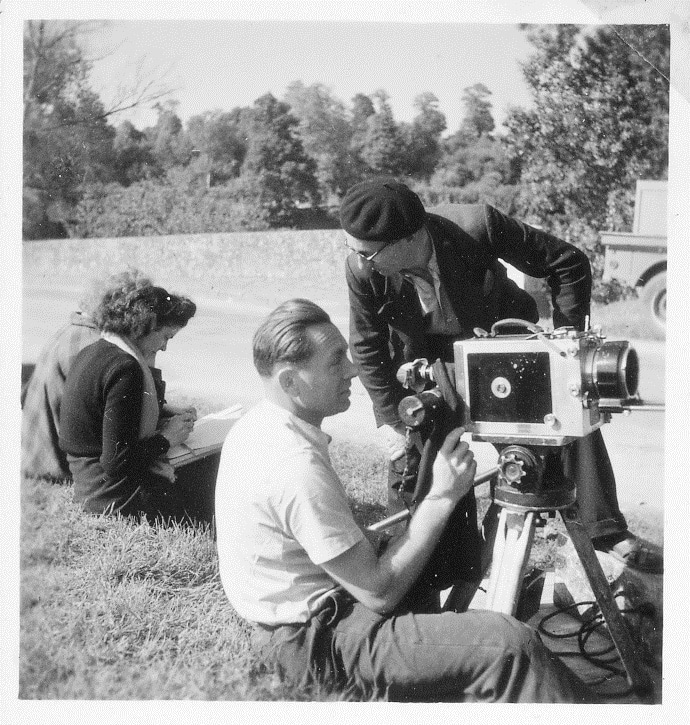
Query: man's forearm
{"x":381,"y":582}
{"x":403,"y":560}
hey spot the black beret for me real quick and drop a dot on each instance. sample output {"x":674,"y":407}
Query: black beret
{"x":381,"y":210}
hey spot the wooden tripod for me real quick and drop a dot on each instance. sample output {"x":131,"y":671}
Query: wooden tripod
{"x":513,"y":535}
{"x":530,"y":481}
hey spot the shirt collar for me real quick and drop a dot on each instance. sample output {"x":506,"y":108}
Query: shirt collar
{"x":432,"y":281}
{"x":310,"y":432}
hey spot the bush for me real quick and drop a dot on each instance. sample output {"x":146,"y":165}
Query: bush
{"x":604,"y":293}
{"x":175,"y":205}
{"x":41,"y":218}
{"x":488,"y":190}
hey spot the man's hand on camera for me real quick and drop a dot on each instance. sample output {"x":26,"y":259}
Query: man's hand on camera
{"x":454,"y":468}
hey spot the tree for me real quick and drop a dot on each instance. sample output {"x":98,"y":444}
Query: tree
{"x":469,"y":163}
{"x":67,"y":140}
{"x":325,"y":132}
{"x":478,"y":119}
{"x":220,"y":140}
{"x":134,"y":160}
{"x":362,"y":110}
{"x":424,"y":137}
{"x":383,"y":150}
{"x":169,"y":145}
{"x":276,"y":166}
{"x":474,"y":164}
{"x":599,"y":123}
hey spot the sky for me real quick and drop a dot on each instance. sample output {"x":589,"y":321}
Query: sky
{"x":221,"y":63}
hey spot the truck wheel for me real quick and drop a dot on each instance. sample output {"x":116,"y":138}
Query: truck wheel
{"x":653,"y":302}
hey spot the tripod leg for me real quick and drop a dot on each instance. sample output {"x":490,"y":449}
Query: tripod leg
{"x":462,"y":593}
{"x":511,"y":553}
{"x":488,"y":532}
{"x":637,"y":676}
{"x":497,"y":554}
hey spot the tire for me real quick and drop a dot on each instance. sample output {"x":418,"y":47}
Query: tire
{"x":653,"y":305}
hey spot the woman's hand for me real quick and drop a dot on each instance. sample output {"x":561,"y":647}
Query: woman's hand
{"x":176,"y":429}
{"x":454,"y":468}
{"x":188,"y":413}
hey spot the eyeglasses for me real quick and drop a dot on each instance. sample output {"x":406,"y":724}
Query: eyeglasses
{"x":367,"y":257}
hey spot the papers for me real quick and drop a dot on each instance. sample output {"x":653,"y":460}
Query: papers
{"x":208,"y":431}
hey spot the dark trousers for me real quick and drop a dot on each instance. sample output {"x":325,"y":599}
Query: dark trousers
{"x":586,"y":463}
{"x":195,"y":487}
{"x":190,"y":499}
{"x":457,"y":556}
{"x":475,"y":656}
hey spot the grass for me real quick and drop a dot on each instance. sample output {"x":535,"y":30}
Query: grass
{"x":113,"y":609}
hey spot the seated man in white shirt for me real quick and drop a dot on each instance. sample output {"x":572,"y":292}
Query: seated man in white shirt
{"x":294,"y":562}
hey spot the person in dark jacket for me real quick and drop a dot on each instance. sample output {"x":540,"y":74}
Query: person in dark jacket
{"x":42,"y":395}
{"x":419,"y":280}
{"x":110,"y":422}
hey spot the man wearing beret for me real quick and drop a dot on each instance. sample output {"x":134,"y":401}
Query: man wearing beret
{"x":418,"y":280}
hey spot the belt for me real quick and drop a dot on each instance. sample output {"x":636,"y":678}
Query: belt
{"x":273,"y":627}
{"x":339,"y":600}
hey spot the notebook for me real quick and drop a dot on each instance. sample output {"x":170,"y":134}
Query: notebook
{"x":208,"y":431}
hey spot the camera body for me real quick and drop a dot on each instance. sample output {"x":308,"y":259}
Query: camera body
{"x":540,"y":388}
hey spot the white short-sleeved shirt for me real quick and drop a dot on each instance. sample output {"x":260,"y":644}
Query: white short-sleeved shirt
{"x":281,"y":510}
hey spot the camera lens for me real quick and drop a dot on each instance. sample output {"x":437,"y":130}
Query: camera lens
{"x":611,"y":370}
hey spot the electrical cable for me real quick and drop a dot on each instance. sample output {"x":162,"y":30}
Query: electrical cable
{"x":594,"y":622}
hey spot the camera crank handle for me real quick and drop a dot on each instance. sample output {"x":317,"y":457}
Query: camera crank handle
{"x":405,"y":514}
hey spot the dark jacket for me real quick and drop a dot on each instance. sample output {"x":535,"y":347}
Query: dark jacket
{"x":387,"y":326}
{"x":41,"y":399}
{"x":99,"y":426}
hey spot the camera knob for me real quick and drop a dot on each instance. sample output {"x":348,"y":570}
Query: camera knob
{"x":417,"y":410}
{"x":512,"y":468}
{"x":551,"y":420}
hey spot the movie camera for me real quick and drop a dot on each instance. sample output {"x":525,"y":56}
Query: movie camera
{"x":527,"y":391}
{"x":531,"y":393}
{"x":535,"y":388}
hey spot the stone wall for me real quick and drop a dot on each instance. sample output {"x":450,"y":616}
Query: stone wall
{"x":215,"y":265}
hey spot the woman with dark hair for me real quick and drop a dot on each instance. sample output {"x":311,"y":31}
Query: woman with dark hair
{"x":111,"y":426}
